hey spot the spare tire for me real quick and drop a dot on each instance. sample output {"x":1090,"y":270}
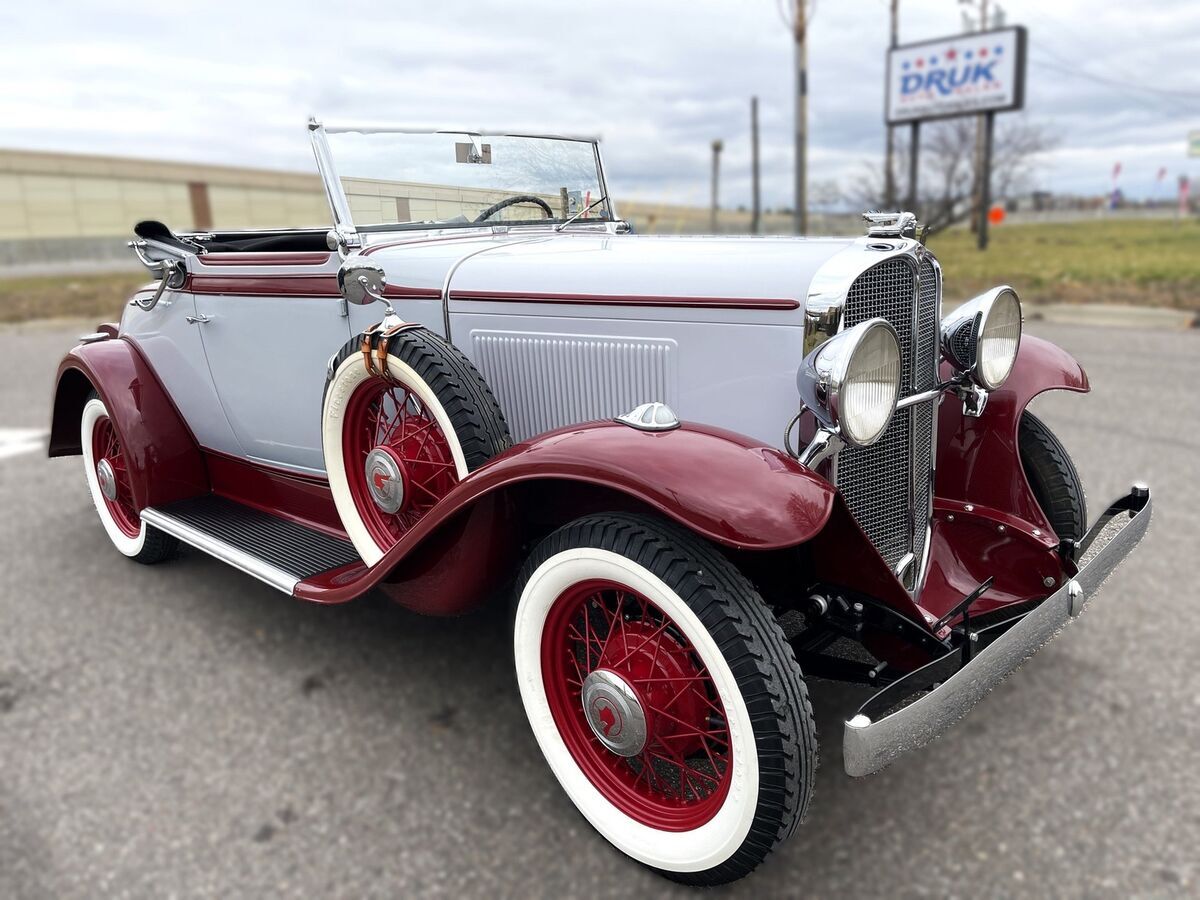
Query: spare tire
{"x":396,"y":443}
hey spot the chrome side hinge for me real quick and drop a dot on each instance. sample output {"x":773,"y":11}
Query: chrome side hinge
{"x":825,"y":443}
{"x":974,"y":399}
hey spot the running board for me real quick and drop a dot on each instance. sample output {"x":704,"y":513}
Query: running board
{"x":273,"y":550}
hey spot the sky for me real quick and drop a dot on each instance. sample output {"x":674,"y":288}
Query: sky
{"x":658,"y":80}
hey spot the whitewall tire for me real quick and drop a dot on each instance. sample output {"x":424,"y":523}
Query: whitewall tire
{"x":395,"y":446}
{"x":663,"y":695}
{"x":108,"y":479}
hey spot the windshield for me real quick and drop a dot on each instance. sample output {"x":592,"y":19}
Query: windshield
{"x":394,"y":180}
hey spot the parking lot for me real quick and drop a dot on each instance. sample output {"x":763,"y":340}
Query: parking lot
{"x":184,"y":730}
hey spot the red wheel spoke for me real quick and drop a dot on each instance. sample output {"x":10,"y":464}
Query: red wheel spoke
{"x":692,"y":729}
{"x":679,"y":776}
{"x":106,"y":447}
{"x":425,"y":429}
{"x":719,"y":710}
{"x":683,"y":767}
{"x":642,"y":645}
{"x":434,"y":463}
{"x":386,"y":416}
{"x":435,"y":497}
{"x":614,"y":623}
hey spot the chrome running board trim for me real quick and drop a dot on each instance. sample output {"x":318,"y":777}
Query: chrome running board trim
{"x":227,"y":553}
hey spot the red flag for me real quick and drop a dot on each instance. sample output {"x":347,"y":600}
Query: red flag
{"x":1116,"y":170}
{"x":1162,"y":173}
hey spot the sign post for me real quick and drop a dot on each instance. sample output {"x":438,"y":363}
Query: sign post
{"x":914,"y":151}
{"x":961,"y":75}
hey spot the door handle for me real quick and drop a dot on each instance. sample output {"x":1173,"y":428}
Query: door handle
{"x":197,"y":320}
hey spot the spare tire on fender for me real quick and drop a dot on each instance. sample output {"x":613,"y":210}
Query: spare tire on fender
{"x":398,"y":437}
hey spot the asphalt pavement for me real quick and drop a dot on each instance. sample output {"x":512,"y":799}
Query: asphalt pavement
{"x":184,"y":730}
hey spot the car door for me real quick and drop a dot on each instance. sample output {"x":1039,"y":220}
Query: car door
{"x":269,"y":323}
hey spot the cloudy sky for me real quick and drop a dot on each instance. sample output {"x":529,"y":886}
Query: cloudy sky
{"x":658,"y":79}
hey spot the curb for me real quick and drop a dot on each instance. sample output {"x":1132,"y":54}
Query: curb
{"x":1115,"y":316}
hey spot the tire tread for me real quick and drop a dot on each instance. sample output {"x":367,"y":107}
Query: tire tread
{"x":756,"y":650}
{"x":1053,"y":477}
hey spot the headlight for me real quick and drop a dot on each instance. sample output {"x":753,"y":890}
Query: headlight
{"x":852,"y":381}
{"x":981,"y":337}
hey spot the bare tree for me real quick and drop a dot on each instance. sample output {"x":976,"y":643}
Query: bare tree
{"x":946,"y":175}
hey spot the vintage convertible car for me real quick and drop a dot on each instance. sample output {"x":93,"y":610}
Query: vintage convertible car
{"x":700,"y":465}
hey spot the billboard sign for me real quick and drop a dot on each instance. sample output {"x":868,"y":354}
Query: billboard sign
{"x":1194,"y":143}
{"x":982,"y":71}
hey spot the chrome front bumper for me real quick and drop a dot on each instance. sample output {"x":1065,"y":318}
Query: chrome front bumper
{"x":876,"y":737}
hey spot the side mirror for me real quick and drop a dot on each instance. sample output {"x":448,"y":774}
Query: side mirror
{"x":361,"y":282}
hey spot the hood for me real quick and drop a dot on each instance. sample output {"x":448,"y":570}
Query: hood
{"x":653,"y":270}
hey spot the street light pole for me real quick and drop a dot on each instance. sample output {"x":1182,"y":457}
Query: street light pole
{"x":801,"y":199}
{"x":717,"y":147}
{"x":756,"y":196}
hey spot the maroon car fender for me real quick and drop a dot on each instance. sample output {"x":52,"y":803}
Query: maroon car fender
{"x":720,"y":485}
{"x":978,"y":460}
{"x":165,"y":464}
{"x":986,"y":520}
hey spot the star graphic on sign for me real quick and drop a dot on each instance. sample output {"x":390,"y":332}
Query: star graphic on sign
{"x":951,"y":53}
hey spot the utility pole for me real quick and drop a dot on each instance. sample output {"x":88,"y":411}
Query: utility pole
{"x":889,"y":172}
{"x":717,"y":147}
{"x":756,"y":196}
{"x":980,"y":130}
{"x":799,"y":27}
{"x":914,"y":156}
{"x":985,"y":177}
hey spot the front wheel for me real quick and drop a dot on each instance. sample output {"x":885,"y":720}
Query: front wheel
{"x":664,"y":696}
{"x":1053,"y":478}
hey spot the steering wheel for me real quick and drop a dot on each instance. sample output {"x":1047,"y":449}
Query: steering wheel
{"x":513,"y":201}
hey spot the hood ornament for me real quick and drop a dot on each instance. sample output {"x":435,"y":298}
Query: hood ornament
{"x":891,"y":224}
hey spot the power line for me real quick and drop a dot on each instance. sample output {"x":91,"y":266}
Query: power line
{"x":1066,"y":67}
{"x":1160,"y":93}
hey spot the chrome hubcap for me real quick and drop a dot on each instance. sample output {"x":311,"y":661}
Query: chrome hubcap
{"x":614,"y":713}
{"x":107,"y":479}
{"x":385,"y":479}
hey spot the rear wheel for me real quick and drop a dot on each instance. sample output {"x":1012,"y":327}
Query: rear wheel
{"x":106,"y":467}
{"x":664,"y":696}
{"x":1052,"y":475}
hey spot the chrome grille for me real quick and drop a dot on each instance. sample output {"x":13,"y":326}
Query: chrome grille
{"x":925,"y":376}
{"x":888,"y":486}
{"x":874,"y":482}
{"x":886,"y":292}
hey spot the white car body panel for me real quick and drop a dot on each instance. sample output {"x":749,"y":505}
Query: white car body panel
{"x":266,"y":355}
{"x":175,"y":351}
{"x":672,"y":322}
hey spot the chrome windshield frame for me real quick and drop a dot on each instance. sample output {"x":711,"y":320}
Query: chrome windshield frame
{"x":339,"y":204}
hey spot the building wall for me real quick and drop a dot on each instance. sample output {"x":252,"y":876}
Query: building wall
{"x":58,"y":195}
{"x":59,"y":208}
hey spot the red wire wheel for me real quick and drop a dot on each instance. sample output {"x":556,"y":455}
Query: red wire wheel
{"x":398,"y":459}
{"x":106,"y":448}
{"x":635,"y":706}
